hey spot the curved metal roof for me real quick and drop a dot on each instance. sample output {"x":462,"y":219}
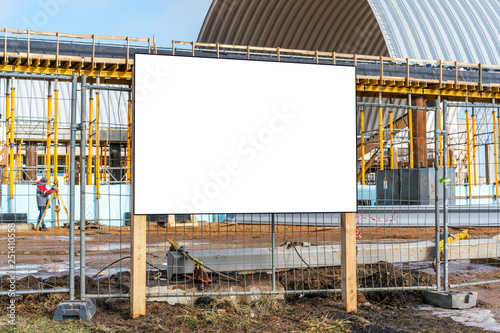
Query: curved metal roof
{"x":347,"y":26}
{"x":457,"y":30}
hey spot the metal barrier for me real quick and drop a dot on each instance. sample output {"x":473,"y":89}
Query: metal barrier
{"x":419,"y":183}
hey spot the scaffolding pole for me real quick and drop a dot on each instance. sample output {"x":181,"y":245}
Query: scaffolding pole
{"x":7,"y":128}
{"x":362,"y":120}
{"x":49,"y":134}
{"x":91,"y":138}
{"x":67,"y":166}
{"x":381,"y":133}
{"x":440,"y":139}
{"x":469,"y":176}
{"x":410,"y":127}
{"x":474,"y":162}
{"x":56,"y":129}
{"x":495,"y":154}
{"x":129,"y":130}
{"x":19,"y":176}
{"x":97,"y":145}
{"x":391,"y":133}
{"x":11,"y":144}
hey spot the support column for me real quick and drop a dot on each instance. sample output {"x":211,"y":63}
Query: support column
{"x":31,"y":161}
{"x":419,"y":120}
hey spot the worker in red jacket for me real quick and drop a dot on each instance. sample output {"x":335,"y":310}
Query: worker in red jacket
{"x":42,"y":196}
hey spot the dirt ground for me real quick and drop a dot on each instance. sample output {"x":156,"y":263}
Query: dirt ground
{"x":42,"y":259}
{"x":383,"y":312}
{"x":110,"y":243}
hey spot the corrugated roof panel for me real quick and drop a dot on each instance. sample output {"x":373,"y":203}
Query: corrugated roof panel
{"x":455,"y":30}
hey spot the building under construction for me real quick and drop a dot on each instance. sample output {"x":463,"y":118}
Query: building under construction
{"x":428,"y":93}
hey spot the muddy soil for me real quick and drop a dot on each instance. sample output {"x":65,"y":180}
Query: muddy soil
{"x":294,"y":314}
{"x":48,"y":252}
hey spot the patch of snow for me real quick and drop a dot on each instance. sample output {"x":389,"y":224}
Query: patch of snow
{"x":474,"y":317}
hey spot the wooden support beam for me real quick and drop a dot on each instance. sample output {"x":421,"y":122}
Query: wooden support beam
{"x":138,"y":266}
{"x":419,"y":121}
{"x":348,"y":261}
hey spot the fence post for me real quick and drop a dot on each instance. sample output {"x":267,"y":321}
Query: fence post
{"x":138,"y":266}
{"x":348,"y":262}
{"x":273,"y":252}
{"x":436,"y":198}
{"x":445,"y":195}
{"x":83,"y":183}
{"x":138,"y":232}
{"x":72,"y":205}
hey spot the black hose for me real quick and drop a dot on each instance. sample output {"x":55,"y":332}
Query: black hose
{"x":308,"y":266}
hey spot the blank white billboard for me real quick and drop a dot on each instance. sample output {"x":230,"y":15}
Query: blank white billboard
{"x":239,"y":136}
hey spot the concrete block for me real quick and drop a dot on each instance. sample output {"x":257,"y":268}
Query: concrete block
{"x":451,"y":299}
{"x":76,"y":309}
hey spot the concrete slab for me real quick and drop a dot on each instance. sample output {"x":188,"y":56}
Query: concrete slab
{"x":255,"y":259}
{"x":451,"y":299}
{"x":173,"y":294}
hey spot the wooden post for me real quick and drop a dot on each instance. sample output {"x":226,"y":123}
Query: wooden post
{"x":138,"y":266}
{"x":419,"y":122}
{"x":31,"y":161}
{"x":348,"y":262}
{"x":138,"y":231}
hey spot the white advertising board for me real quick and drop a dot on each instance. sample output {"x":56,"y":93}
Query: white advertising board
{"x":239,"y":136}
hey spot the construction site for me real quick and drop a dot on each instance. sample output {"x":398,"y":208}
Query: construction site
{"x":427,"y":157}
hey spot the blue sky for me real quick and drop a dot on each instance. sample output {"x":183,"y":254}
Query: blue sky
{"x":167,"y":19}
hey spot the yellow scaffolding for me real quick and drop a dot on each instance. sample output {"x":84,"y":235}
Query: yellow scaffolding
{"x":7,"y":131}
{"x":495,"y":156}
{"x":410,"y":127}
{"x":128,"y":154}
{"x":362,"y":120}
{"x":11,"y":142}
{"x":48,"y":155}
{"x":97,"y":146}
{"x":381,"y":133}
{"x":469,"y":176}
{"x":56,"y":129}
{"x":474,"y":162}
{"x":91,"y":137}
{"x":391,"y":133}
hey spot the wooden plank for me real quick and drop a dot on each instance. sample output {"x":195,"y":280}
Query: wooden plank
{"x":138,"y":266}
{"x":348,"y":261}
